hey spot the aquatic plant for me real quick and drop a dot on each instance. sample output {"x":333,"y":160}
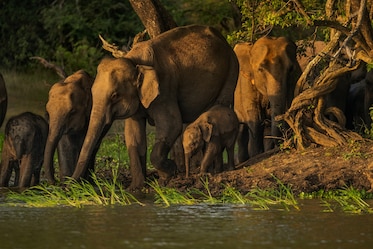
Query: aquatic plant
{"x":259,"y":199}
{"x":76,"y":194}
{"x":168,"y":196}
{"x":348,"y":199}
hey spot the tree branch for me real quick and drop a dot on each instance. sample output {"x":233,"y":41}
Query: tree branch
{"x":115,"y":51}
{"x":60,"y":72}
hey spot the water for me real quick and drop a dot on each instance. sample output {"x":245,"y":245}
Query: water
{"x":197,"y":226}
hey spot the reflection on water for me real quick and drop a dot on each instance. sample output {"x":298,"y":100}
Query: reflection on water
{"x":198,"y":226}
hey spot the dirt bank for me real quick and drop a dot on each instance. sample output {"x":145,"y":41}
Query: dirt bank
{"x":305,"y":171}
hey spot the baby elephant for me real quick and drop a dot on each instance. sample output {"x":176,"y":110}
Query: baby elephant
{"x":23,"y":148}
{"x":212,"y":132}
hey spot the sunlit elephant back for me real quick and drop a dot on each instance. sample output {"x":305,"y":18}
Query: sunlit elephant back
{"x":168,"y":80}
{"x":3,"y":100}
{"x":269,"y":71}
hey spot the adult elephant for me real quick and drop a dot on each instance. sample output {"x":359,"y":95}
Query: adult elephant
{"x":68,"y":110}
{"x":3,"y":100}
{"x":169,"y":80}
{"x":267,"y":80}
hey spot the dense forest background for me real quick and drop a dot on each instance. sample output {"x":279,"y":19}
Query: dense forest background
{"x":66,"y":32}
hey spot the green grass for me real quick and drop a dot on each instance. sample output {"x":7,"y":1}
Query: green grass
{"x":106,"y":192}
{"x":347,"y":199}
{"x":258,"y":199}
{"x":77,"y":194}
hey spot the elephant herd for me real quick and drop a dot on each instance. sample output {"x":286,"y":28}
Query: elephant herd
{"x":188,"y":76}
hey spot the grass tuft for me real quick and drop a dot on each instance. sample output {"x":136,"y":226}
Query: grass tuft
{"x":76,"y":194}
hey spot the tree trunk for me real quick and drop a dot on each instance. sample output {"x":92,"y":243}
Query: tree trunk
{"x":154,"y":16}
{"x":306,"y":116}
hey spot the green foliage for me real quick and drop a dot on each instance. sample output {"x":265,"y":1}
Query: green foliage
{"x":81,"y":56}
{"x":277,"y":18}
{"x":112,"y":151}
{"x":218,"y":14}
{"x":65,"y":32}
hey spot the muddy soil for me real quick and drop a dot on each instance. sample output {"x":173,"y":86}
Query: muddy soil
{"x":314,"y":169}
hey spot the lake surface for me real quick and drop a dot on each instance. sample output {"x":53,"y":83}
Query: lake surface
{"x":181,"y":226}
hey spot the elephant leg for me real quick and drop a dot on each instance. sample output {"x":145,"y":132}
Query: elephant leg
{"x":35,"y":179}
{"x":135,"y":138}
{"x":218,"y":163}
{"x":268,"y":142}
{"x":67,"y":155}
{"x":16,"y":165}
{"x":242,"y":142}
{"x":25,"y":171}
{"x":6,"y":172}
{"x":255,"y":146}
{"x":177,"y":154}
{"x":211,"y":153}
{"x":230,"y":154}
{"x":166,"y":135}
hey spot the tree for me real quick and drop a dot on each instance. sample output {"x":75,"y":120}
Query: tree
{"x":352,"y":32}
{"x":346,"y":25}
{"x":154,"y":16}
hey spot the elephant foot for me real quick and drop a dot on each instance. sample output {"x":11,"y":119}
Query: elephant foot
{"x":136,"y":186}
{"x":167,"y":171}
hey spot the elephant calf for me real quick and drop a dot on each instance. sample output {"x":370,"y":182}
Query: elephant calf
{"x":23,"y":148}
{"x":213,"y":131}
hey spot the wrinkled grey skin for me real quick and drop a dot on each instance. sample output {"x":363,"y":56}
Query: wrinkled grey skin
{"x":269,"y":71}
{"x":3,"y":100}
{"x":168,"y":80}
{"x":212,"y":132}
{"x":25,"y":137}
{"x":68,"y":110}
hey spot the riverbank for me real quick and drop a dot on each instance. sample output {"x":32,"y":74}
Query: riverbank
{"x":311,"y":170}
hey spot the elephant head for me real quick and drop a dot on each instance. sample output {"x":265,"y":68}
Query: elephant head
{"x":194,"y":138}
{"x":275,"y":71}
{"x":68,"y":110}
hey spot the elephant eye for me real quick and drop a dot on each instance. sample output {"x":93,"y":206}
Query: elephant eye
{"x":114,"y":96}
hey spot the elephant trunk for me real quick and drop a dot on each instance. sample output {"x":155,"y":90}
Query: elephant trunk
{"x":187,"y":164}
{"x":54,"y":136}
{"x":97,"y":124}
{"x":278,"y":107}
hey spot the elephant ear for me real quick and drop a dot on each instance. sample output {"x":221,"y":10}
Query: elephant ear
{"x":147,"y":84}
{"x":207,"y":131}
{"x":258,"y":56}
